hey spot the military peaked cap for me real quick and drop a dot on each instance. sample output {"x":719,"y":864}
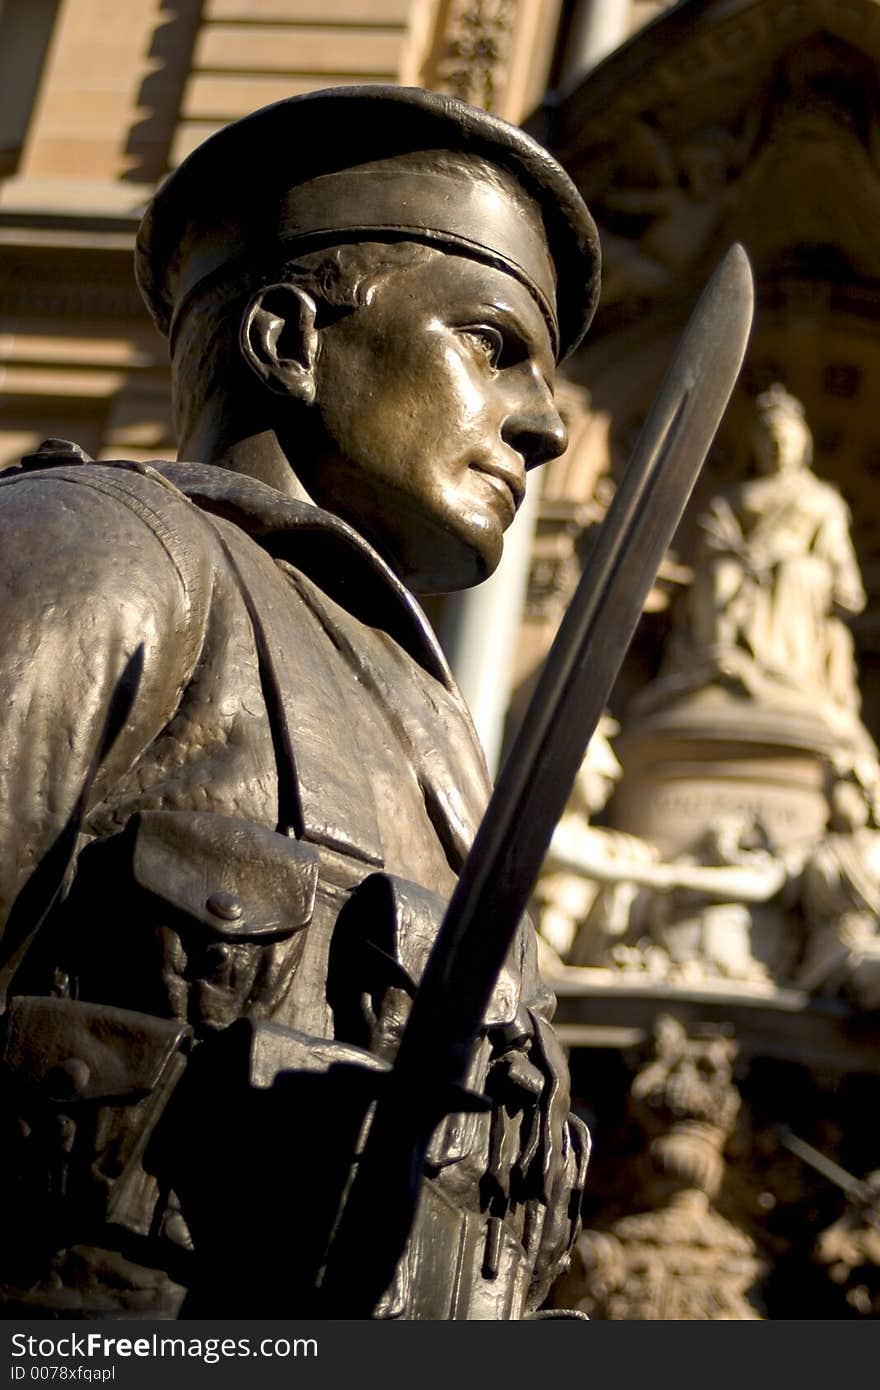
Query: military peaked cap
{"x":337,"y":165}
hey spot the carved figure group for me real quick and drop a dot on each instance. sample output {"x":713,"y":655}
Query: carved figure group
{"x":607,"y":899}
{"x":774,"y":572}
{"x":661,"y":216}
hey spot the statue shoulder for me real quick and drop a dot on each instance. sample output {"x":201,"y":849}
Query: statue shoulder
{"x":88,"y":495}
{"x":112,"y":535}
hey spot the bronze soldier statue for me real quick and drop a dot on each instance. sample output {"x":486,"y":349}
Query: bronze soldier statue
{"x":237,"y":780}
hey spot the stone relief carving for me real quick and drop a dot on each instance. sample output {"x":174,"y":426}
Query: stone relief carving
{"x":662,"y":211}
{"x":729,"y":922}
{"x":607,"y":899}
{"x":678,"y":1258}
{"x":659,"y":220}
{"x":850,"y":1250}
{"x":669,"y":197}
{"x":775,"y":570}
{"x":471,"y":58}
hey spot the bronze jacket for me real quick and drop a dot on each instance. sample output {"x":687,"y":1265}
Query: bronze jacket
{"x":222,"y":712}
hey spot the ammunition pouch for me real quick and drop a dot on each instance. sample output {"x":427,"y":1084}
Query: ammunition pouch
{"x":86,"y":1086}
{"x":215,"y":912}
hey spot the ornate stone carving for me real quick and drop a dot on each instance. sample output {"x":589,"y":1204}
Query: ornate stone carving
{"x":678,"y":1258}
{"x":728,"y":921}
{"x":674,"y":200}
{"x":472,"y":53}
{"x":669,"y":192}
{"x":850,"y":1250}
{"x":606,"y":899}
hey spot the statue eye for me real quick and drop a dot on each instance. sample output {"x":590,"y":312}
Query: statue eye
{"x":489,"y":340}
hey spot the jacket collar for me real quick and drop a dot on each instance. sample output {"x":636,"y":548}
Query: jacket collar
{"x":324,"y":547}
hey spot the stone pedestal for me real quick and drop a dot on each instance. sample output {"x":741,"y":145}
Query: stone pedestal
{"x":714,"y":752}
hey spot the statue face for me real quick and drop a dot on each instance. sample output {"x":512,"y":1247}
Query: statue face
{"x":849,"y":807}
{"x":705,"y":169}
{"x":781,"y":443}
{"x":433,"y":400}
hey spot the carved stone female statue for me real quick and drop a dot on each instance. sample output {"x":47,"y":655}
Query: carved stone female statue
{"x":775,"y":567}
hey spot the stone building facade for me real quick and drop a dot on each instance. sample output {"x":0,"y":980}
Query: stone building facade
{"x":720,"y":984}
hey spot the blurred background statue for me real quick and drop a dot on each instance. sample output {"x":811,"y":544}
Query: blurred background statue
{"x":590,"y":870}
{"x":677,"y":1256}
{"x":841,"y":895}
{"x":775,"y":568}
{"x":606,"y":899}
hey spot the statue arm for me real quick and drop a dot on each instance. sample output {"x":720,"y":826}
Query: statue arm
{"x":849,"y":591}
{"x":602,"y":855}
{"x":720,"y":528}
{"x":834,"y":544}
{"x":89,"y":596}
{"x":756,"y":882}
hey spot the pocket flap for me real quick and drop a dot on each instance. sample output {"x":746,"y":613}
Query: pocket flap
{"x":73,"y":1051}
{"x":239,"y":880}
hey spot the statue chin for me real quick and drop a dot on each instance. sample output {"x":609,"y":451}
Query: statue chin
{"x":448,"y":561}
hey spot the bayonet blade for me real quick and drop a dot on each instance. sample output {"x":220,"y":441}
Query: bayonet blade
{"x":502,"y":867}
{"x":500,"y":872}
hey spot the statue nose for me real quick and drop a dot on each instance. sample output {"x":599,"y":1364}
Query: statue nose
{"x":537,"y":437}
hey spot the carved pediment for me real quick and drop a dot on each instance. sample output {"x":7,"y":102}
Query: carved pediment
{"x":757,"y":121}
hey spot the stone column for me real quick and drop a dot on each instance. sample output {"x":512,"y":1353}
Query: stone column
{"x":597,"y":27}
{"x":480,"y":627}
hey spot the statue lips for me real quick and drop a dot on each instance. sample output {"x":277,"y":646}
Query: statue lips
{"x":507,"y":487}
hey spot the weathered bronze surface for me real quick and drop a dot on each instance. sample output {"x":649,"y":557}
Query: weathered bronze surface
{"x":224,"y":712}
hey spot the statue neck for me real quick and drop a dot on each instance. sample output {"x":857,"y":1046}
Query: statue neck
{"x":256,"y":453}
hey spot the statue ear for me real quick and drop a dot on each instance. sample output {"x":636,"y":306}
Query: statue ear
{"x":279,"y":340}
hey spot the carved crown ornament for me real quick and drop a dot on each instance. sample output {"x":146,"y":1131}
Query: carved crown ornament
{"x":471,"y":51}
